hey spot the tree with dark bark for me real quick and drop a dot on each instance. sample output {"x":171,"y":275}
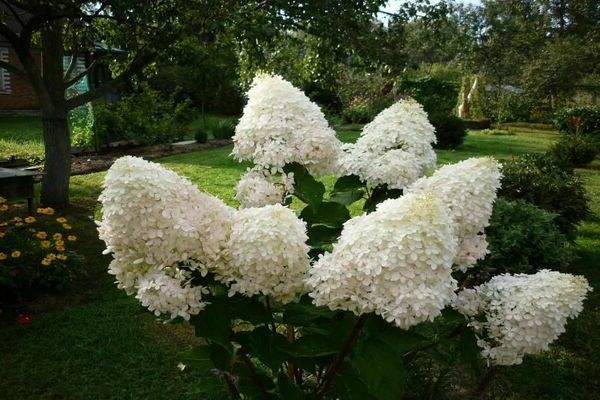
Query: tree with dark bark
{"x":145,"y":30}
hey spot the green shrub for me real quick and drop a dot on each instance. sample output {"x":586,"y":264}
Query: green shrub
{"x":35,"y":252}
{"x":575,"y":150}
{"x":223,"y":129}
{"x":523,"y":238}
{"x":450,"y":131}
{"x":357,"y":114}
{"x":583,"y":119}
{"x":144,"y":118}
{"x":201,"y":135}
{"x":81,"y":123}
{"x":215,"y":127}
{"x":543,"y":181}
{"x":438,"y":96}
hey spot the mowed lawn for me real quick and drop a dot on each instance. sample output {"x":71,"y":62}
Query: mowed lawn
{"x":95,"y":343}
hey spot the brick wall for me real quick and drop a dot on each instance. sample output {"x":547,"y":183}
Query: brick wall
{"x":17,"y":93}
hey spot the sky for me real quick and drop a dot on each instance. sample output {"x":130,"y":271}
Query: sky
{"x":392,"y":5}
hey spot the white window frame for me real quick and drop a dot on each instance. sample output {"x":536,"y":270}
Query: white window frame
{"x":4,"y":74}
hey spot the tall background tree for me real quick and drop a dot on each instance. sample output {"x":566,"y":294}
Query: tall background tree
{"x":145,"y":31}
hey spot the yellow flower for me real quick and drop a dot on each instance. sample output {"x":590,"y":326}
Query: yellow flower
{"x":45,"y":211}
{"x":2,"y":234}
{"x":19,"y":224}
{"x":60,"y":248}
{"x":51,"y":256}
{"x":61,"y":220}
{"x":15,"y":254}
{"x":67,"y":226}
{"x":17,"y":219}
{"x":2,"y":200}
{"x":59,"y":243}
{"x":3,"y":207}
{"x":41,"y":235}
{"x":46,"y":261}
{"x":2,"y":256}
{"x":45,"y":244}
{"x":30,"y":220}
{"x":3,"y":224}
{"x":71,"y":238}
{"x":57,"y":236}
{"x":61,"y":257}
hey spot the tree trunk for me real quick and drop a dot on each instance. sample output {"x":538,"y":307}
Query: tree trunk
{"x":57,"y":143}
{"x":57,"y":165}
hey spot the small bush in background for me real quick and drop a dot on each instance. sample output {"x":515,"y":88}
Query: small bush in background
{"x":201,"y":135}
{"x":357,"y":114}
{"x":81,"y":123}
{"x":583,"y":119}
{"x":35,"y":252}
{"x":450,"y":131}
{"x":523,"y":238}
{"x":543,"y":181}
{"x":575,"y":150}
{"x":144,"y":118}
{"x":214,"y":127}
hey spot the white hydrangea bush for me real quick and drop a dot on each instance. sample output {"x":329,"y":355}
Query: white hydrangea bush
{"x":280,"y":125}
{"x":522,"y":314}
{"x":395,"y":262}
{"x":264,"y":275}
{"x":468,"y":188}
{"x":394,"y":149}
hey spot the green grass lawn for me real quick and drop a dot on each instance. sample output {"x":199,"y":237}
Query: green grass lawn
{"x":96,"y":343}
{"x":21,"y":137}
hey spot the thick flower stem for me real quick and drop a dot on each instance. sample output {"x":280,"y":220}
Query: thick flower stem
{"x":233,"y":390}
{"x":254,"y":375}
{"x":485,"y":382}
{"x":337,"y":363}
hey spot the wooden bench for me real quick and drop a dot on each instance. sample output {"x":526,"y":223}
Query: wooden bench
{"x":16,"y":183}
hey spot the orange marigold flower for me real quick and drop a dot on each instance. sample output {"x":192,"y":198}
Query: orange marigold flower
{"x":15,"y":254}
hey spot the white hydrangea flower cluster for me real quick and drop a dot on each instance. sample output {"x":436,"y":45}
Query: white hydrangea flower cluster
{"x":280,"y":125}
{"x":394,"y":149}
{"x":254,"y":189}
{"x":395,"y":262}
{"x":170,"y":292}
{"x":523,"y":313}
{"x":469,"y":189}
{"x":268,"y":253}
{"x":153,"y":219}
